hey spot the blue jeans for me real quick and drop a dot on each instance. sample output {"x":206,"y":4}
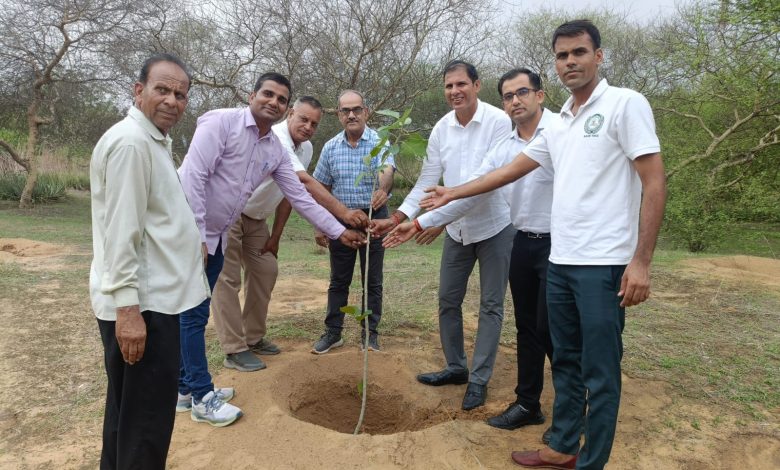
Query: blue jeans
{"x":194,"y":374}
{"x":586,"y":326}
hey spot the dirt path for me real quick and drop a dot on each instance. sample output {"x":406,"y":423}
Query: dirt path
{"x":299,"y":413}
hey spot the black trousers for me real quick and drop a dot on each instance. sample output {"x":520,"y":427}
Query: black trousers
{"x":342,"y":266}
{"x":527,"y":281}
{"x":141,"y":398}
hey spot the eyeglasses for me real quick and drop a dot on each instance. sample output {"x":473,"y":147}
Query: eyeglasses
{"x":520,"y":93}
{"x":357,"y":110}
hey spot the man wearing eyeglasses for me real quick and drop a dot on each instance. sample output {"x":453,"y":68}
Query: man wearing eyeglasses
{"x":457,"y":147}
{"x":340,"y":165}
{"x":530,"y":203}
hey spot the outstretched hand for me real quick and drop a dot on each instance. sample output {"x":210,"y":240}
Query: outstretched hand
{"x":402,"y":233}
{"x":437,"y":196}
{"x":427,"y":236}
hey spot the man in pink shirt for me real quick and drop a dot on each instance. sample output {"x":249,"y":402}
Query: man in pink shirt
{"x":232,"y":152}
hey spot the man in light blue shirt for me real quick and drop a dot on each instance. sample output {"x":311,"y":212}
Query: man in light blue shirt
{"x":340,"y":165}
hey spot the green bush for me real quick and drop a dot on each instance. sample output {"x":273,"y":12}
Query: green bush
{"x":49,"y":187}
{"x":79,"y":181}
{"x":694,"y":219}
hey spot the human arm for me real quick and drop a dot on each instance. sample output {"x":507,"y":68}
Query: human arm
{"x":439,"y":196}
{"x":381,"y":194}
{"x":300,"y":199}
{"x":205,"y":151}
{"x":323,"y":196}
{"x":635,"y":284}
{"x":281,"y":215}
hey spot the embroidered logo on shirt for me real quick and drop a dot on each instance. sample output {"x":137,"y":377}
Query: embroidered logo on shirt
{"x":593,"y":125}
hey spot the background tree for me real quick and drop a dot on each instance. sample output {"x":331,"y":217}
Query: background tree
{"x":48,"y":42}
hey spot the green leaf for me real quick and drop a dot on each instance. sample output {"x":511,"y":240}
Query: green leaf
{"x":389,"y":113}
{"x":360,"y":387}
{"x":414,"y":146}
{"x":350,"y":310}
{"x":405,"y":118}
{"x":394,"y":149}
{"x":359,"y":178}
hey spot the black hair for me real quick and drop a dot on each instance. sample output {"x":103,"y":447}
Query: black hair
{"x":143,"y":76}
{"x":533,"y":77}
{"x":274,"y":77}
{"x":452,"y":65}
{"x":575,"y":28}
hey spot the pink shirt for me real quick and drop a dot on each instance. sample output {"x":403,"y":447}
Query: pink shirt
{"x":227,"y":160}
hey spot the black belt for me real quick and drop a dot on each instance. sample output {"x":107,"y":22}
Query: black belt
{"x":534,"y":235}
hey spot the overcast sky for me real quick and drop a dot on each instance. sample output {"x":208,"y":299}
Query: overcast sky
{"x":643,"y":11}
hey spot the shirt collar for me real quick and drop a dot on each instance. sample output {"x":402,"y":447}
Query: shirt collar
{"x":597,"y":92}
{"x":249,"y":121}
{"x":546,"y":120}
{"x":147,"y":125}
{"x":366,"y":135}
{"x":283,"y":132}
{"x":479,"y":114}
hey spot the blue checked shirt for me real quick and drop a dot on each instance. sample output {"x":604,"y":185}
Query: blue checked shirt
{"x":340,"y":165}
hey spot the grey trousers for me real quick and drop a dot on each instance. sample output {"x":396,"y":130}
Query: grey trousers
{"x":457,"y":262}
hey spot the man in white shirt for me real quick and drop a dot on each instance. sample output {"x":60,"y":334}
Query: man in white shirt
{"x":241,"y":332}
{"x":530,"y":202}
{"x":608,"y":202}
{"x":147,"y":267}
{"x":457,"y":146}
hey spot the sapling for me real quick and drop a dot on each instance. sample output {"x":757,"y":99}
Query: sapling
{"x":406,"y":144}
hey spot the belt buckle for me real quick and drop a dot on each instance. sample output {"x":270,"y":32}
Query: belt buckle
{"x":534,"y":235}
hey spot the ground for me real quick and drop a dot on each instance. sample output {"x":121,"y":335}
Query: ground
{"x":699,"y":389}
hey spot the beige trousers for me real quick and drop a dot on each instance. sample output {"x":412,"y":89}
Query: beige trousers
{"x":237,"y":329}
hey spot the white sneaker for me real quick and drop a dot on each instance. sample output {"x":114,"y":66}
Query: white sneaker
{"x":185,"y":401}
{"x":214,"y":411}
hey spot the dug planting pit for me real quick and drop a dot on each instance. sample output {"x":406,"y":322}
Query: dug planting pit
{"x":324,"y":391}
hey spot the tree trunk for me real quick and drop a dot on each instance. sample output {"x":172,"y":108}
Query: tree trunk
{"x":25,"y":201}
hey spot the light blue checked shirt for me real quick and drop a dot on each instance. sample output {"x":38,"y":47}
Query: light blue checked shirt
{"x":340,"y":165}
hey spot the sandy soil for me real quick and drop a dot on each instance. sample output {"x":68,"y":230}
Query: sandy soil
{"x":301,"y":410}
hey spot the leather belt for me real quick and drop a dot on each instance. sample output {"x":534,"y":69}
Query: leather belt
{"x":535,"y":235}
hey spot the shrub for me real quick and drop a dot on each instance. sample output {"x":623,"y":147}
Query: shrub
{"x":694,"y":218}
{"x":49,"y":187}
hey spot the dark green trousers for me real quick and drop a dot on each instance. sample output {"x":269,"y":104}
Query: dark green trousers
{"x":586,"y":326}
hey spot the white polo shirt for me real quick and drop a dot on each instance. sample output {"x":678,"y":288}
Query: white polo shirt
{"x":263,"y":201}
{"x":597,"y":191}
{"x":529,"y":198}
{"x":455,"y":152}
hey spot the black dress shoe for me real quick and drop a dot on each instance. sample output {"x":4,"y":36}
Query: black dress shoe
{"x":475,"y":397}
{"x":444,"y":377}
{"x":515,"y":416}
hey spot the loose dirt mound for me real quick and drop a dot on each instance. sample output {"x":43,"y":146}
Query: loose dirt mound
{"x":751,"y":269}
{"x":14,"y":248}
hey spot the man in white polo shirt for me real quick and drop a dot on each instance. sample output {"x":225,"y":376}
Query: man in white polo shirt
{"x":608,"y":201}
{"x":241,"y":333}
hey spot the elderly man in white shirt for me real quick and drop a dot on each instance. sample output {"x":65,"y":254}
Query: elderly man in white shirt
{"x":456,"y":148}
{"x":241,"y":332}
{"x":147,"y":267}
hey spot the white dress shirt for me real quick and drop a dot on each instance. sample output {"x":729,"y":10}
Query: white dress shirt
{"x":455,"y":152}
{"x":529,"y":198}
{"x":262,"y":203}
{"x":146,"y":245}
